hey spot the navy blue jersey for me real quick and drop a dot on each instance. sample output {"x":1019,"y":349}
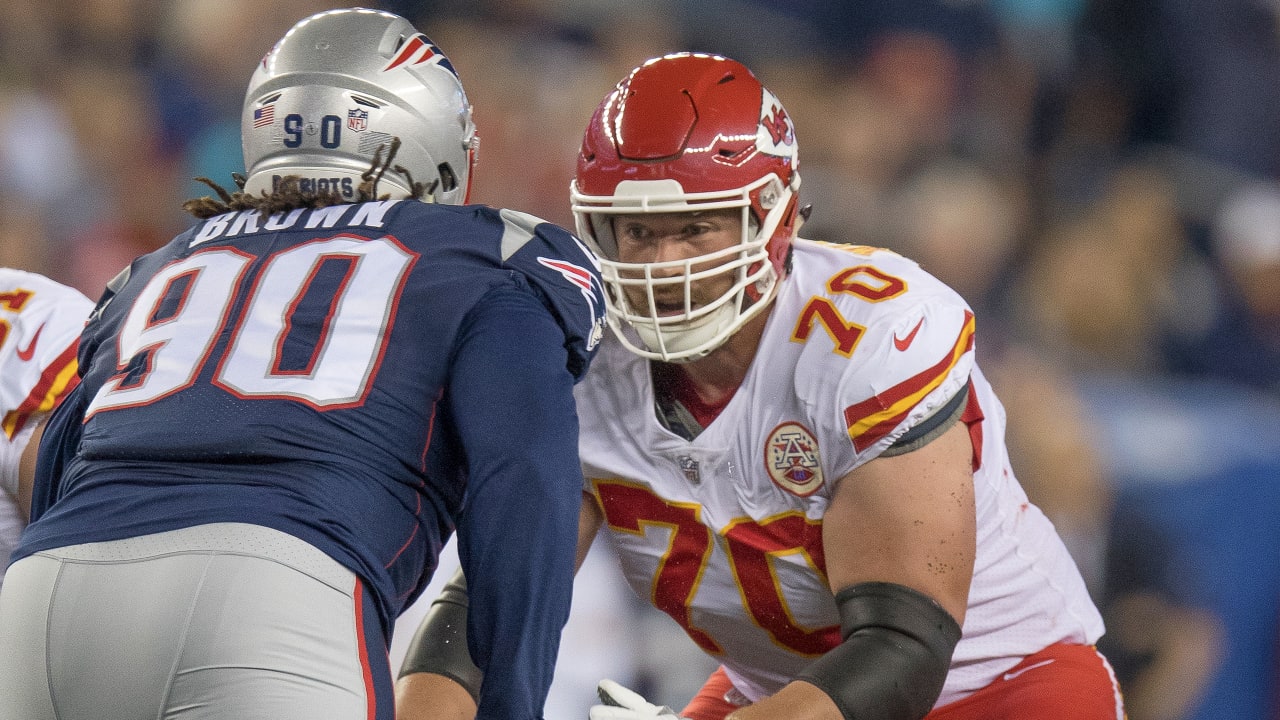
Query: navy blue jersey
{"x":358,"y":376}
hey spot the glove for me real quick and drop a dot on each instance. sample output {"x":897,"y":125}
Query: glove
{"x":623,"y":704}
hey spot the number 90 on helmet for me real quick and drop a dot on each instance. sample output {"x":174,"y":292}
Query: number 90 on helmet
{"x":342,"y":83}
{"x":681,"y":133}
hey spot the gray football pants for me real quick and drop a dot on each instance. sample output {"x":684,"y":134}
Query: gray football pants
{"x":214,"y":622}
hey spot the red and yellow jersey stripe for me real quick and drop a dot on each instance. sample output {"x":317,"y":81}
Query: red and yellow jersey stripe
{"x":58,"y":379}
{"x":877,"y":416}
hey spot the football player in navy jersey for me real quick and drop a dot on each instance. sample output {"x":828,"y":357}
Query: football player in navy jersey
{"x":285,"y":412}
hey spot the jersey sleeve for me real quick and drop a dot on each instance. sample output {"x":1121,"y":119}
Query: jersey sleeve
{"x":913,"y":358}
{"x":511,"y":399}
{"x":41,"y":322}
{"x":567,"y":275}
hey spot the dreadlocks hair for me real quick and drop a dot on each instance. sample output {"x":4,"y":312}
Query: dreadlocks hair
{"x":287,"y":194}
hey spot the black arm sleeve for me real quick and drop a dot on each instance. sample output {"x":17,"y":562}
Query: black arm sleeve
{"x":895,"y":655}
{"x":440,"y":644}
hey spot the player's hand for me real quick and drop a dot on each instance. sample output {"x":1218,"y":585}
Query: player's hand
{"x":623,"y":704}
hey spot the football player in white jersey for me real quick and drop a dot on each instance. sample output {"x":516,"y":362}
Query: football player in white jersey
{"x":40,"y":324}
{"x":791,"y":446}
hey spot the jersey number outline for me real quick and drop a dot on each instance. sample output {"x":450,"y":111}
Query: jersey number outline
{"x":169,"y":333}
{"x":750,"y":546}
{"x":864,"y":281}
{"x":14,"y":301}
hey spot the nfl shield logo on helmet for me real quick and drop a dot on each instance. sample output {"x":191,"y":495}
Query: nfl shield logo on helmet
{"x":358,"y":120}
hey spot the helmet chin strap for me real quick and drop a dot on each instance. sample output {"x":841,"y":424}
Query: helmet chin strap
{"x":690,"y":341}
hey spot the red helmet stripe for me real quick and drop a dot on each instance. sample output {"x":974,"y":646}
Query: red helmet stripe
{"x":406,"y":52}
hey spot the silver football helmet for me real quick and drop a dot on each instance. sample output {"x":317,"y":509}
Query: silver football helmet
{"x":343,"y":83}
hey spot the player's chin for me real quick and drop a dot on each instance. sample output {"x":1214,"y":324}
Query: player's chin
{"x":675,"y":309}
{"x":661,"y":308}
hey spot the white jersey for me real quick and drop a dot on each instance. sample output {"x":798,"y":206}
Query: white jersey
{"x":724,"y":533}
{"x":40,"y":324}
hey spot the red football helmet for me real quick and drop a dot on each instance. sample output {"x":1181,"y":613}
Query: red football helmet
{"x":682,"y":133}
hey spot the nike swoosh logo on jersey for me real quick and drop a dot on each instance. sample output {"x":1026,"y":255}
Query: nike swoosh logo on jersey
{"x":28,"y":352}
{"x":903,"y":343}
{"x":1016,"y":673}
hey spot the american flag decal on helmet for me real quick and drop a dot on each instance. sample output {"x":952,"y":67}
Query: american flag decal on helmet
{"x":418,"y":50}
{"x":264,"y":115}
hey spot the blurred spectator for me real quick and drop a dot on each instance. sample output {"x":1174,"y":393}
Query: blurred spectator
{"x":1107,"y":293}
{"x":965,"y":225}
{"x":23,"y":239}
{"x":124,"y":202}
{"x":902,"y":85}
{"x":1245,"y":238}
{"x":897,"y":110}
{"x":1195,"y":74}
{"x":1116,"y":286}
{"x":1197,"y":461}
{"x":38,"y":157}
{"x":116,"y":33}
{"x":1226,"y":60}
{"x":1165,"y":643}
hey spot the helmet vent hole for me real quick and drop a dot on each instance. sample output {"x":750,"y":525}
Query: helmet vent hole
{"x":448,"y":181}
{"x":729,"y":77}
{"x":267,"y":100}
{"x":366,"y":101}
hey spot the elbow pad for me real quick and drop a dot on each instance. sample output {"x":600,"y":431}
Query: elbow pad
{"x":440,"y":644}
{"x":895,"y":655}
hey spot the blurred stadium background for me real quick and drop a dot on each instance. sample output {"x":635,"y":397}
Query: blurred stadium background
{"x":1100,"y":178}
